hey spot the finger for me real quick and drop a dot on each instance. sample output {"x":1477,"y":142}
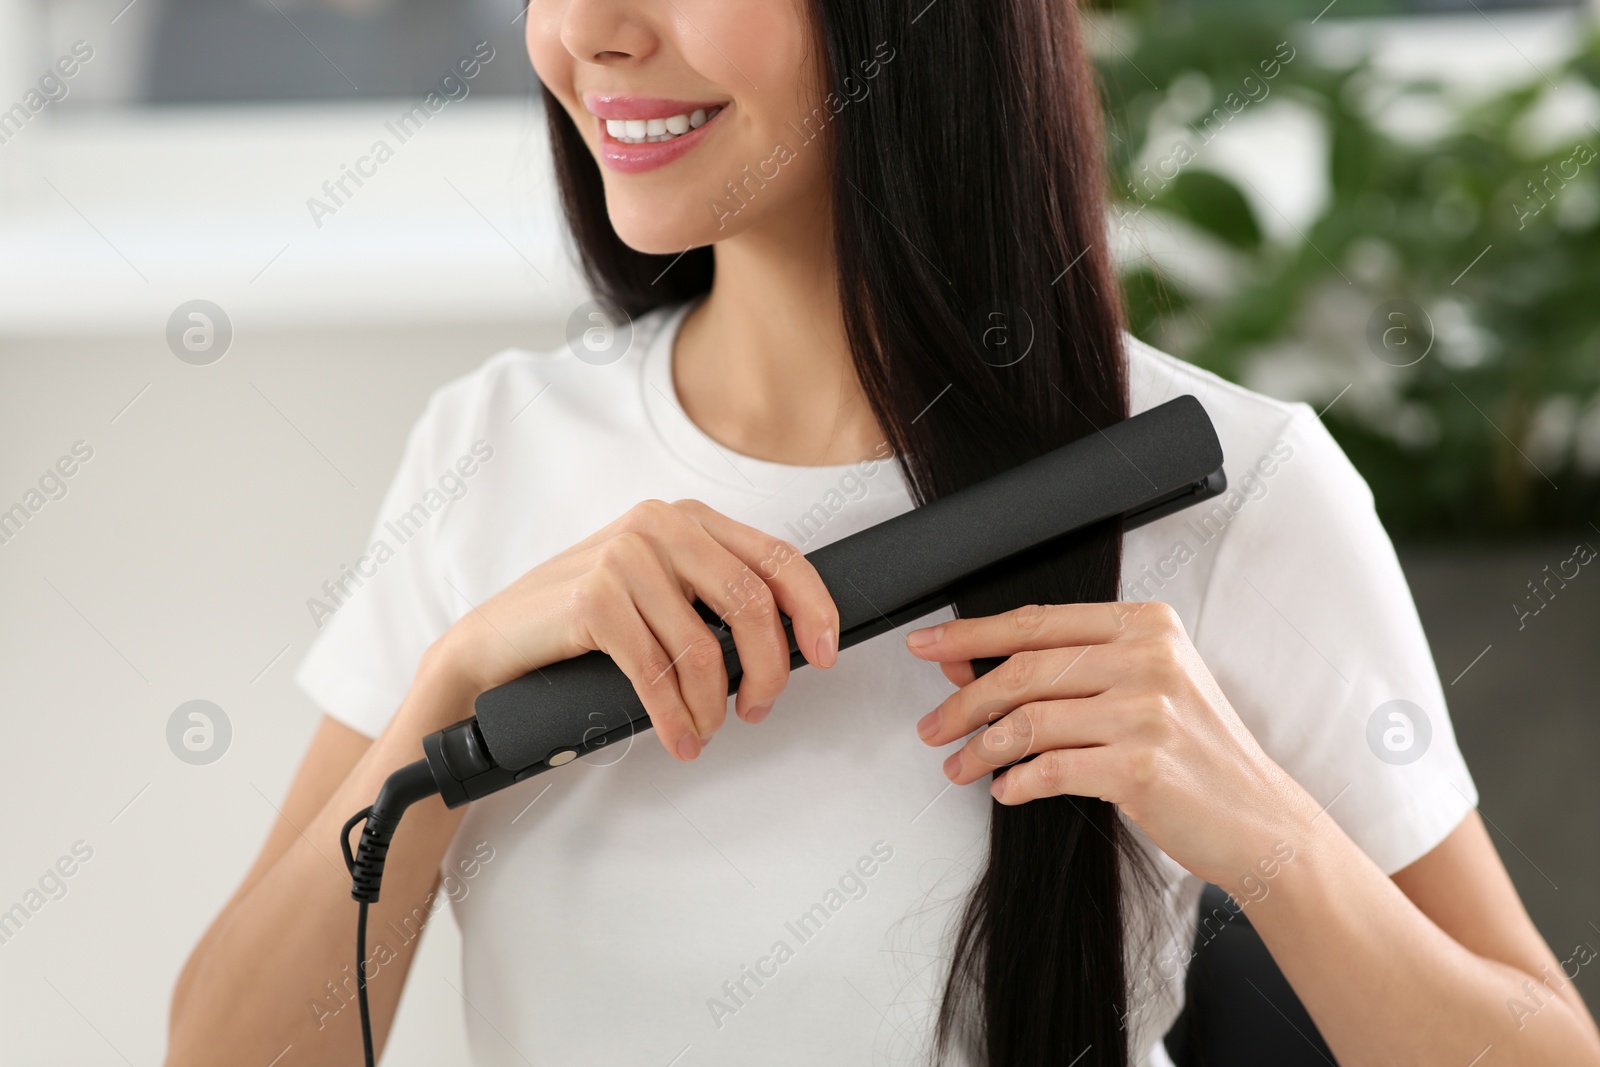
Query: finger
{"x":1032,"y":627}
{"x":959,"y":672}
{"x":624,"y":635}
{"x":795,"y":583}
{"x":1030,"y":729}
{"x":702,"y":568}
{"x":695,"y":655}
{"x":746,"y":604}
{"x":1082,"y":772}
{"x":1048,"y":674}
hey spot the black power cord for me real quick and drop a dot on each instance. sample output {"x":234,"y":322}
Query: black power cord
{"x":361,"y":936}
{"x":403,"y":788}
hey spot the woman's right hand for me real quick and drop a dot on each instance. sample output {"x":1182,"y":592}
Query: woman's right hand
{"x":628,"y":591}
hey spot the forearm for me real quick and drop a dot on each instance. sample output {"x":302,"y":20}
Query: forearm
{"x":276,"y":969}
{"x":1384,"y":984}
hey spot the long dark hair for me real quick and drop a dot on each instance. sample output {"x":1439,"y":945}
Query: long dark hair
{"x":968,"y":199}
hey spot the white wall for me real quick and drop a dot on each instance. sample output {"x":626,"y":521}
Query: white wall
{"x":177,"y":567}
{"x":109,"y":219}
{"x":179,"y":562}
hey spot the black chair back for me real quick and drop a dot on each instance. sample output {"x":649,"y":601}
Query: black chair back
{"x":1239,"y":1010}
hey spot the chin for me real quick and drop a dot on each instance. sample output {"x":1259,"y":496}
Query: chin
{"x":661,"y":222}
{"x":647,"y":224}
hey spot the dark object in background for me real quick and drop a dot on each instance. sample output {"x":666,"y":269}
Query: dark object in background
{"x":264,"y":51}
{"x":1239,"y":1010}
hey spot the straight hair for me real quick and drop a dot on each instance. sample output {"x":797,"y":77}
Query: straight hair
{"x":985,"y":327}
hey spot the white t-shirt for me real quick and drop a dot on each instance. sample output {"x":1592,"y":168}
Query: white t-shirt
{"x":787,"y":898}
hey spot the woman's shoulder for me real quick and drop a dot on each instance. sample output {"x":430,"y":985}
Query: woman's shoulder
{"x":1154,"y":377}
{"x":595,"y":369}
{"x":1295,"y":514}
{"x":1258,"y":432}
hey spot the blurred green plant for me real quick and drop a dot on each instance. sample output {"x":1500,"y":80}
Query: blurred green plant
{"x":1451,"y":279}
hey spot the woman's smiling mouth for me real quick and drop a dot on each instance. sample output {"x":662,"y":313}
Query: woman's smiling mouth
{"x":642,"y":133}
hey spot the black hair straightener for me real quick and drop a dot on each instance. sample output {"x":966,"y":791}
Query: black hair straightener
{"x":1143,"y":468}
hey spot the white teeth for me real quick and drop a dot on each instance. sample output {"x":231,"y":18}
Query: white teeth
{"x":654,"y":131}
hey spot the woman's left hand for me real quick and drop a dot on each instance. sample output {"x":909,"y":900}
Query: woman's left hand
{"x":1113,"y":701}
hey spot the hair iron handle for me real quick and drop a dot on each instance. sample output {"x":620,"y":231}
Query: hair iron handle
{"x":1137,"y":470}
{"x":1141,"y":469}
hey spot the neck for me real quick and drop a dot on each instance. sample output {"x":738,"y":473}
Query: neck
{"x":762,"y":365}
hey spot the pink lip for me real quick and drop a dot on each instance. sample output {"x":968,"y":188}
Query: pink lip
{"x":615,"y":106}
{"x":637,"y":158}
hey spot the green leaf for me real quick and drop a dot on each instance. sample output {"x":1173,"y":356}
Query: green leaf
{"x":1215,"y":205}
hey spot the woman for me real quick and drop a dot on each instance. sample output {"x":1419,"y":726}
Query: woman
{"x":864,"y":249}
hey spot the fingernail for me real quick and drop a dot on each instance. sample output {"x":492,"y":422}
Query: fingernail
{"x":952,"y":765}
{"x":926,"y":636}
{"x":758,"y":713}
{"x":688,"y":746}
{"x":928,"y":725}
{"x":827,"y":648}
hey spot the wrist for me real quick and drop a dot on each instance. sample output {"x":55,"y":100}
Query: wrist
{"x":1317,"y":858}
{"x":1282,"y":823}
{"x":442,"y":692}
